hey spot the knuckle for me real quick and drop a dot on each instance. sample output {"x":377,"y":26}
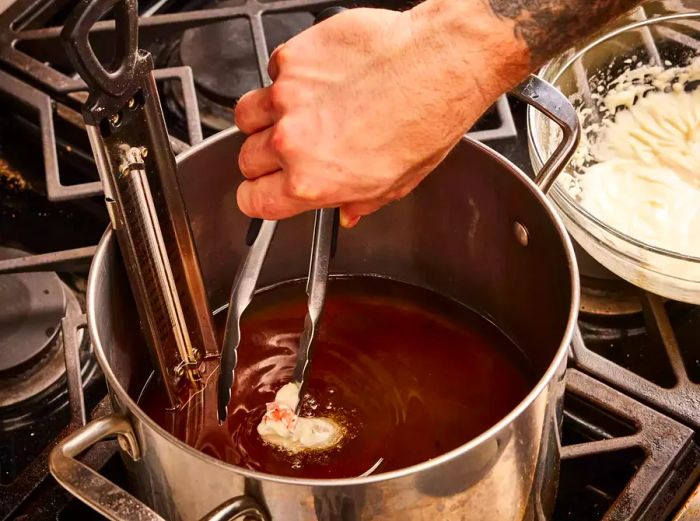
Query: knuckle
{"x":263,"y":203}
{"x":277,"y":92}
{"x":303,"y":190}
{"x":283,"y":56}
{"x":282,"y":138}
{"x":244,"y":160}
{"x":281,"y":96}
{"x":247,"y":155}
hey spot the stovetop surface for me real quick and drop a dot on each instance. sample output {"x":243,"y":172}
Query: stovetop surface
{"x":632,"y":372}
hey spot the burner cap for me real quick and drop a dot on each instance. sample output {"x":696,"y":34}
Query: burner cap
{"x":222,"y":55}
{"x":609,"y":297}
{"x":31,"y":308}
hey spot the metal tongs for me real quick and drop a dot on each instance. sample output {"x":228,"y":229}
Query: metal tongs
{"x":322,"y":249}
{"x":260,"y":236}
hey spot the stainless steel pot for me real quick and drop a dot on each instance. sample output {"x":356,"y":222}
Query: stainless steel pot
{"x":477,"y":230}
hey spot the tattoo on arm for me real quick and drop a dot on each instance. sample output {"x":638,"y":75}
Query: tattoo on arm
{"x":551,"y":26}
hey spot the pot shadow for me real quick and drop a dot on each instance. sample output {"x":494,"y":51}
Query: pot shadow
{"x":339,"y":503}
{"x":449,"y":479}
{"x":460,"y":474}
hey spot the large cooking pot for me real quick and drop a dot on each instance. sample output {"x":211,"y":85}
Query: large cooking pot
{"x":477,"y":230}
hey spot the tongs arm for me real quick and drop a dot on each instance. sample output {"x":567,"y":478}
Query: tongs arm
{"x":325,"y":231}
{"x":241,"y":295}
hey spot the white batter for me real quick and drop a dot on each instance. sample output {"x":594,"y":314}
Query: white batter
{"x":281,"y":427}
{"x":642,"y":163}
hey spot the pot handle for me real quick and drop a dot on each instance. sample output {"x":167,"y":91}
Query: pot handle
{"x":108,"y":499}
{"x":552,"y":103}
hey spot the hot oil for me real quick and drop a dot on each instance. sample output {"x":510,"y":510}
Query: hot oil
{"x":410,"y":375}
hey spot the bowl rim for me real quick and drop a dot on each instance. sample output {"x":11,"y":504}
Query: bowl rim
{"x":563,"y":200}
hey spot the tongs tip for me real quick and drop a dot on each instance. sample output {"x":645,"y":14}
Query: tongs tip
{"x":224,"y":396}
{"x":300,"y":386}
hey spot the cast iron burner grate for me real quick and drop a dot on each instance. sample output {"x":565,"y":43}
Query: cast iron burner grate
{"x":621,"y":460}
{"x":655,"y":358}
{"x":27,"y":491}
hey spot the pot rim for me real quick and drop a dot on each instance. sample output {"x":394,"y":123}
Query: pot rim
{"x":116,"y":388}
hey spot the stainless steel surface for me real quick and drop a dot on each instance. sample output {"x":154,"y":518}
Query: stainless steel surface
{"x":554,"y":105}
{"x":505,"y":473}
{"x":691,"y":508}
{"x":241,"y":295}
{"x":103,"y":496}
{"x":242,"y":507}
{"x":316,"y":290}
{"x":112,"y":501}
{"x":135,"y":217}
{"x":143,"y":211}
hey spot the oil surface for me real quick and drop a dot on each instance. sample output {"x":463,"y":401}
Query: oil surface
{"x":409,"y":373}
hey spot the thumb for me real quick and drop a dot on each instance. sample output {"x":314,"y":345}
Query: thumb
{"x":351,"y":213}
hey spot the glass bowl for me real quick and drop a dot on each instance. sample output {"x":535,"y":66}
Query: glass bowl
{"x":666,"y":41}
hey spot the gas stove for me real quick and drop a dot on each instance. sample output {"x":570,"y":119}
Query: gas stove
{"x":630,"y":433}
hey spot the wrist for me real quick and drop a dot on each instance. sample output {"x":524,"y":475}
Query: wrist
{"x":476,"y":44}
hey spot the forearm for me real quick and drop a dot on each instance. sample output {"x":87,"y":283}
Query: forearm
{"x":506,"y":39}
{"x":551,"y":26}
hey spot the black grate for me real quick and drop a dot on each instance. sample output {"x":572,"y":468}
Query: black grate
{"x":657,"y":362}
{"x":621,"y":460}
{"x":26,"y":488}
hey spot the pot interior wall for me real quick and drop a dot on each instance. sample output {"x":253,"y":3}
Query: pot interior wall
{"x":453,"y":234}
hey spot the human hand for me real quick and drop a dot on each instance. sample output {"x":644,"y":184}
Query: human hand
{"x":362,"y":107}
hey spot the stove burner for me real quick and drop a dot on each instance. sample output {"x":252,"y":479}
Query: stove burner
{"x":32,"y":364}
{"x":33,"y":305}
{"x":609,"y":297}
{"x":224,"y":63}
